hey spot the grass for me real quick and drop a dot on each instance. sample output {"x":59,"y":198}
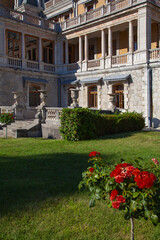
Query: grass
{"x":39,"y":198}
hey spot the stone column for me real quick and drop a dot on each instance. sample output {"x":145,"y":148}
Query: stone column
{"x":40,"y":50}
{"x":55,"y":52}
{"x":103,"y":45}
{"x":144,"y":29}
{"x":86,"y":47}
{"x":130,"y":36}
{"x":66,"y":51}
{"x":110,"y":41}
{"x":80,"y":49}
{"x":23,"y":57}
{"x":22,"y":46}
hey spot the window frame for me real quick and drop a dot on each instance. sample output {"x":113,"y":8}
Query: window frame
{"x":20,"y":44}
{"x":37,"y":55}
{"x":48,"y":48}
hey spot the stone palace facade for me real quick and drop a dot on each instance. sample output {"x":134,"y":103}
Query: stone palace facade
{"x":107,"y":50}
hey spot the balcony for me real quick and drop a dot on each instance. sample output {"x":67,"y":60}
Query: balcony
{"x":26,"y":64}
{"x":104,"y":10}
{"x":28,"y":19}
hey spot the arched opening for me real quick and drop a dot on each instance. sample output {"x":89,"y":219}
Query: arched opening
{"x":118,"y":89}
{"x":92,"y":96}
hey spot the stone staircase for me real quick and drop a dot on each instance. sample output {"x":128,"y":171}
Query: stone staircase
{"x":13,"y":128}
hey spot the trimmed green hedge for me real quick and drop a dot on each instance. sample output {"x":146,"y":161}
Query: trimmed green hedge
{"x":82,"y":123}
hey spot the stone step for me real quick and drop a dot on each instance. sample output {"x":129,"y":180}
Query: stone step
{"x":11,"y":129}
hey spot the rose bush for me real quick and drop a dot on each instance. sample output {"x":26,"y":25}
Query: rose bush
{"x":6,"y":118}
{"x":129,"y":187}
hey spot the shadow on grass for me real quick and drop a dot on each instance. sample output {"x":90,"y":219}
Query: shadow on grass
{"x":28,"y":180}
{"x":119,"y":135}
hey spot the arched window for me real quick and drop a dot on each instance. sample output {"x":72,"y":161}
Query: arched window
{"x":118,"y":89}
{"x":92,"y":96}
{"x":34,"y":96}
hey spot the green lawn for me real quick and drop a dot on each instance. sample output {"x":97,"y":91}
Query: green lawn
{"x":39,"y":197}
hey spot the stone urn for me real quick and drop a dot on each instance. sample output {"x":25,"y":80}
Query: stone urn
{"x":17,"y":107}
{"x":74,"y":96}
{"x":112,"y":101}
{"x":43,"y":96}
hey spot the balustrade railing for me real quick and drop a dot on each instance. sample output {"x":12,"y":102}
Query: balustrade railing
{"x":154,"y":53}
{"x":72,"y":66}
{"x":118,"y":5}
{"x":32,"y":65}
{"x":49,"y":67}
{"x":14,"y":62}
{"x":6,"y":109}
{"x":93,"y":63}
{"x":99,"y":12}
{"x":26,"y":18}
{"x":121,"y":59}
{"x":53,"y":114}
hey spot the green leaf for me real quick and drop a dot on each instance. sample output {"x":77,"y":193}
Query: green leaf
{"x":147,"y":214}
{"x":127,"y":216}
{"x":133,"y":206}
{"x":154,"y":219}
{"x":135,"y":194}
{"x":92,"y":203}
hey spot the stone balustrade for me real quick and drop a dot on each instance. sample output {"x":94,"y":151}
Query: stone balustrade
{"x":94,"y":63}
{"x":154,"y":54}
{"x":53,"y":114}
{"x":6,"y":109}
{"x":98,"y":13}
{"x":23,"y":17}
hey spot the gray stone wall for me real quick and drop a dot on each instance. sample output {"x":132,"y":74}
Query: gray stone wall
{"x":12,"y":80}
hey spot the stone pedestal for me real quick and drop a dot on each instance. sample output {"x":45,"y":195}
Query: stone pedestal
{"x":41,"y":109}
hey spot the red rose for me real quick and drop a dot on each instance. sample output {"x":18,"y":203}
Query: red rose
{"x":115,"y":204}
{"x":136,"y":172}
{"x":144,"y":179}
{"x":12,"y":117}
{"x":119,"y":179}
{"x":120,"y":199}
{"x":153,"y":177}
{"x":91,"y":169}
{"x":155,"y":161}
{"x":114,"y":193}
{"x":122,"y":171}
{"x":93,"y":154}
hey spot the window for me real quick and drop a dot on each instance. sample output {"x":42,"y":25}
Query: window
{"x":13,"y":44}
{"x":66,"y":17}
{"x":135,"y":39}
{"x":91,"y":52}
{"x":34,"y":96}
{"x":48,"y":51}
{"x":118,"y":89}
{"x":90,"y":8}
{"x":31,"y":48}
{"x":92,"y":97}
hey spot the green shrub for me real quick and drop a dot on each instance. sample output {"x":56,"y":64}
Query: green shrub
{"x":78,"y":124}
{"x":82,"y":124}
